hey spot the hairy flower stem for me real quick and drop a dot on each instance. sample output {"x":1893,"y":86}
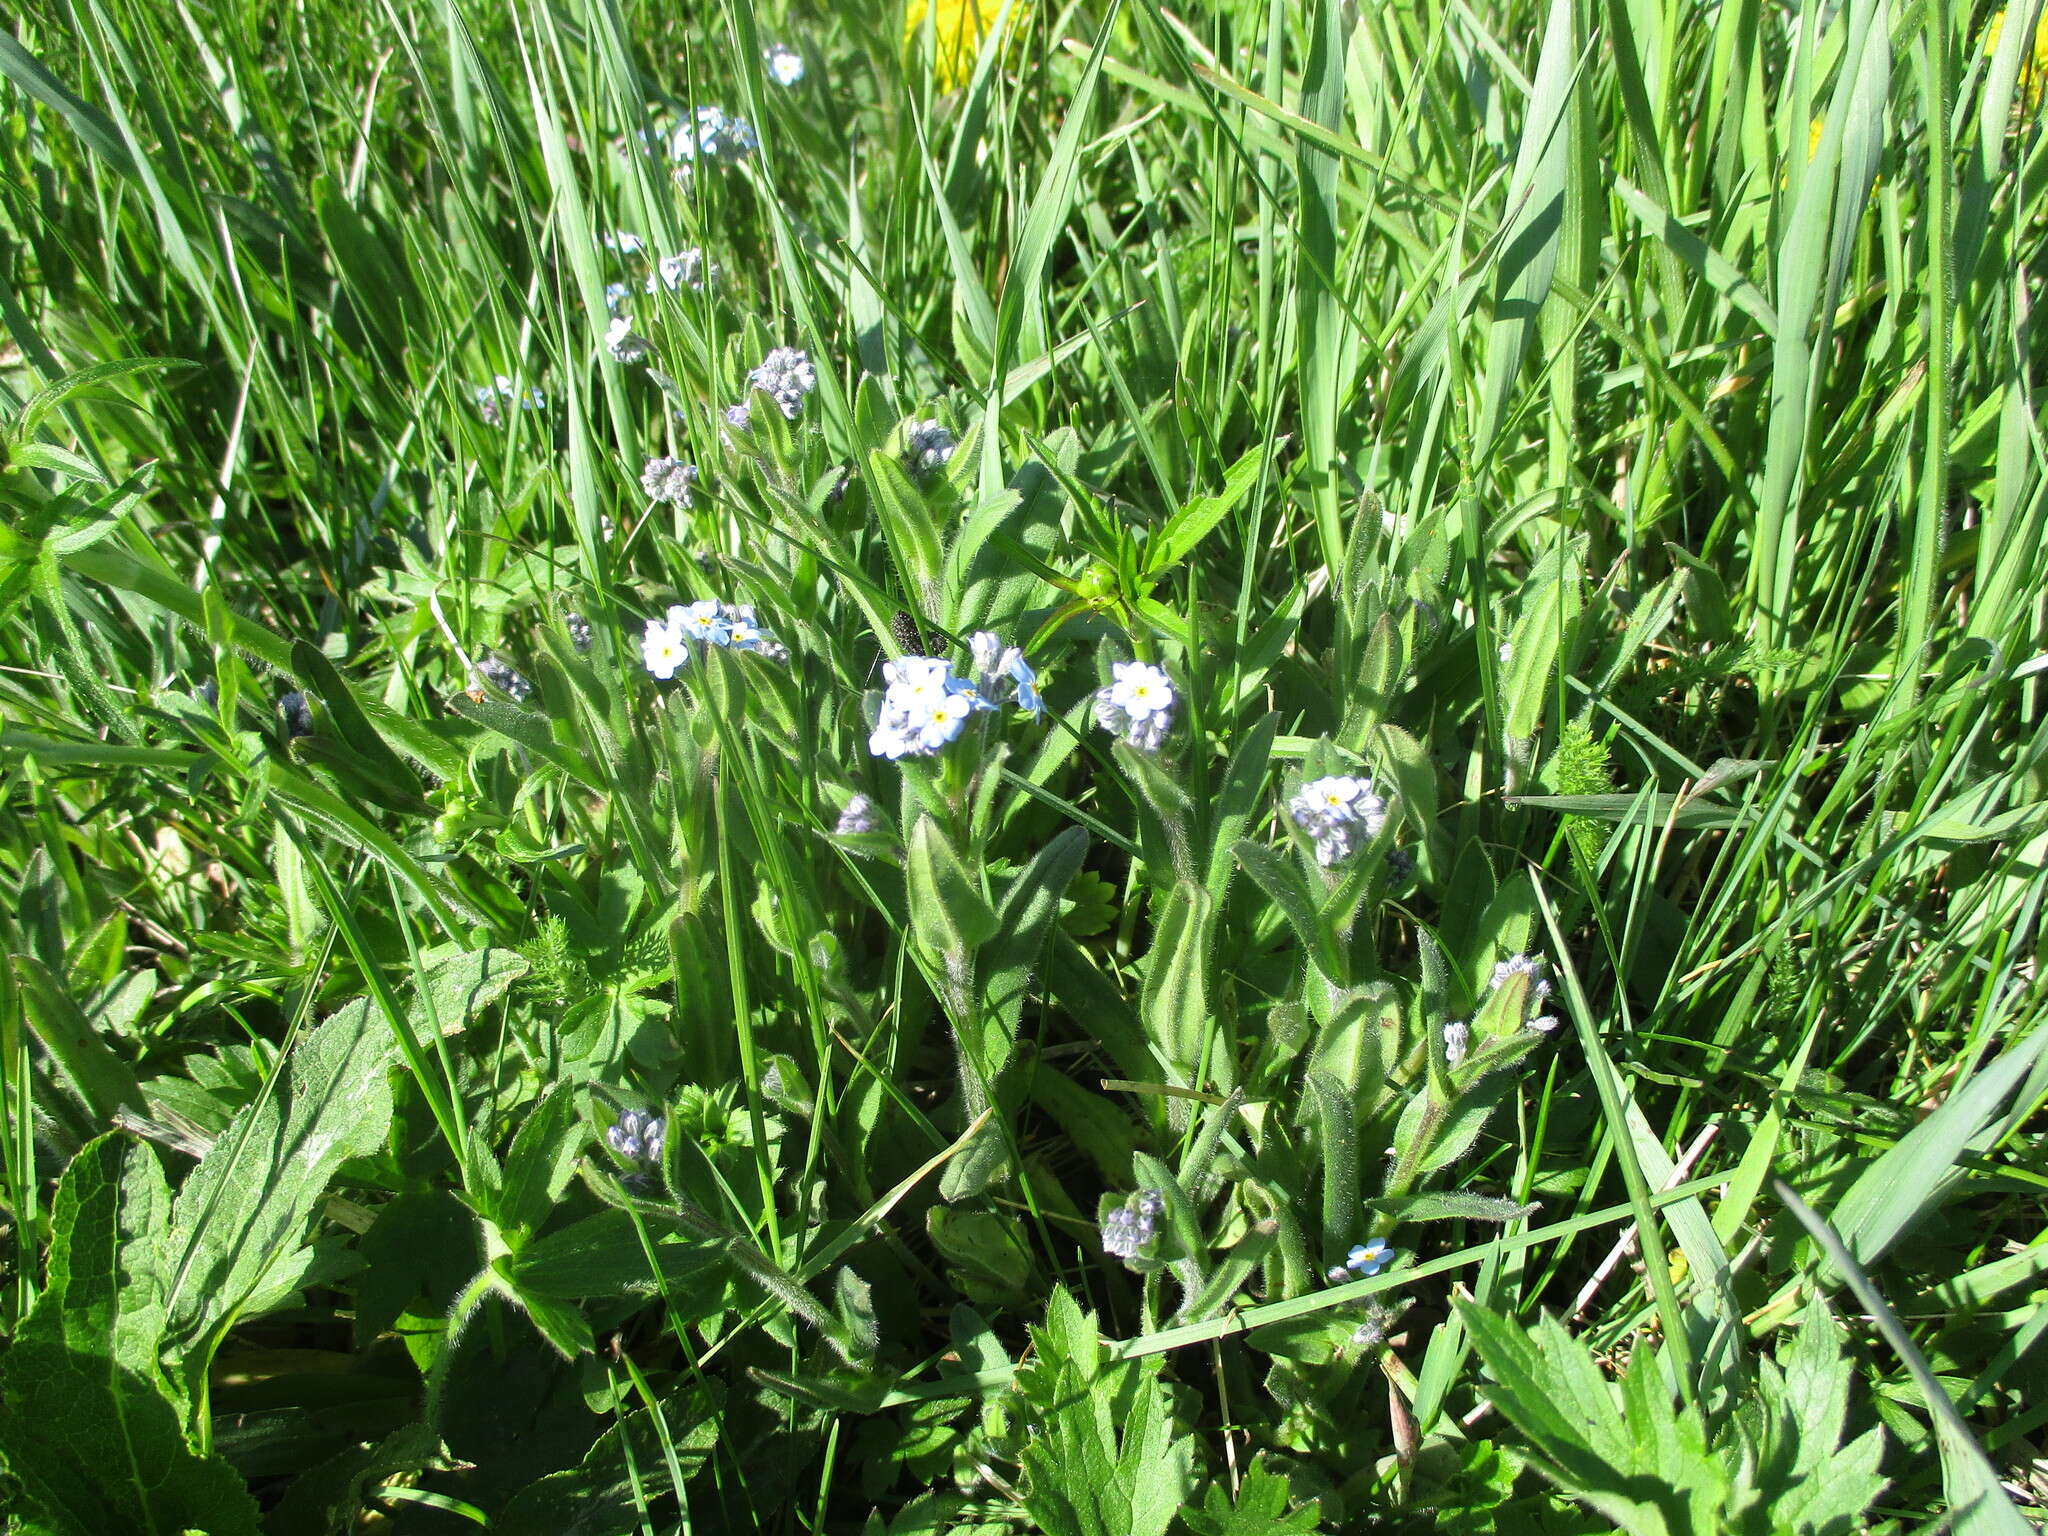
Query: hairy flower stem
{"x":1408,"y":1169}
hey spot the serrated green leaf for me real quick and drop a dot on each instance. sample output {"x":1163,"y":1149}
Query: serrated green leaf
{"x":89,"y":1432}
{"x":1261,"y":1508}
{"x":246,"y":1207}
{"x":1104,"y":1460}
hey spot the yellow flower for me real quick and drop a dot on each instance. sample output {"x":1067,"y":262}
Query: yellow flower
{"x":2033,"y":67}
{"x":959,"y":28}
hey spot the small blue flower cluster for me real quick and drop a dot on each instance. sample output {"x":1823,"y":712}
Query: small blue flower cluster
{"x":1336,"y":811}
{"x":1363,"y":1262}
{"x":927,"y":446}
{"x":859,"y":818}
{"x":785,"y":376}
{"x":1138,"y":704}
{"x":490,"y":398}
{"x":713,"y":137}
{"x":664,"y":648}
{"x":668,"y":481}
{"x":926,"y":704}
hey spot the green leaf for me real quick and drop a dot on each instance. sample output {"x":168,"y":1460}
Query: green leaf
{"x":1648,"y":1471}
{"x":1191,"y":524}
{"x":455,"y":989}
{"x":951,"y":917}
{"x":50,"y":456}
{"x":87,"y":121}
{"x":530,"y":730}
{"x":351,"y":722}
{"x":1550,"y":602}
{"x":991,"y":1262}
{"x":1238,"y":800}
{"x":103,"y":1081}
{"x":1529,"y":240}
{"x":1647,"y":809}
{"x":89,"y":1432}
{"x":1829,"y":1485}
{"x":1175,"y":1002}
{"x":1165,"y":816}
{"x":1029,"y":905}
{"x":1260,"y":1510}
{"x":1902,"y":1186}
{"x":638,"y":1460}
{"x":539,"y":1165}
{"x":1453,"y":1205}
{"x":601,"y":1255}
{"x":1104,"y":1459}
{"x":1282,"y":880}
{"x":1020,"y":305}
{"x":559,"y":1322}
{"x":1978,"y":1505}
{"x":908,"y":525}
{"x":245,"y":1209}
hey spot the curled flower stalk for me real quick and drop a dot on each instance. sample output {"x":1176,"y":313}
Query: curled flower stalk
{"x":859,"y":818}
{"x":502,"y":676}
{"x":927,"y":447}
{"x":1130,"y":1228}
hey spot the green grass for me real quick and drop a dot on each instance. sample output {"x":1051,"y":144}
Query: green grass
{"x":1612,"y":427}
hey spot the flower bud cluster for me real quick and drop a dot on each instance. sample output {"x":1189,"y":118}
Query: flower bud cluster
{"x":502,"y":676}
{"x":638,"y":1138}
{"x":668,"y":481}
{"x":927,"y":446}
{"x":1533,"y":969}
{"x":1128,"y":1228}
{"x":785,"y":375}
{"x":858,"y":818}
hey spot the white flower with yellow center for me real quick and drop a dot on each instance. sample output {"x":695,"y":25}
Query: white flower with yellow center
{"x":1140,"y":690}
{"x":663,"y":650}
